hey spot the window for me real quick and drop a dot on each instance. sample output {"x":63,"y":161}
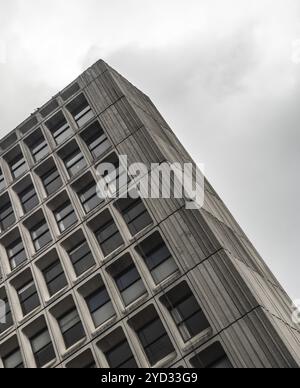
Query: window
{"x":152,"y":335}
{"x":155,"y":341}
{"x":7,"y":215}
{"x":186,"y":312}
{"x":40,"y":235}
{"x":213,"y":357}
{"x":88,"y":195}
{"x":73,"y":159}
{"x":70,"y":91}
{"x":42,"y":348}
{"x":37,"y":145}
{"x":60,"y":128}
{"x":65,"y":216}
{"x":108,"y":234}
{"x":117,"y":350}
{"x":52,"y":181}
{"x":128,"y":280}
{"x":2,"y":181}
{"x":121,"y":357}
{"x":55,"y":278}
{"x":16,"y":253}
{"x":18,"y":166}
{"x":83,"y":361}
{"x":6,"y":320}
{"x":96,"y":140}
{"x":28,"y":298}
{"x":49,"y":108}
{"x":135,"y":214}
{"x":130,"y":285}
{"x":158,"y":258}
{"x":81,"y":257}
{"x":14,"y":360}
{"x":71,"y":328}
{"x":100,"y":306}
{"x":28,"y":198}
{"x":80,"y":110}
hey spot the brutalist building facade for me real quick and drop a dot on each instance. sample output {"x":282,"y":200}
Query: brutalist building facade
{"x":124,"y":283}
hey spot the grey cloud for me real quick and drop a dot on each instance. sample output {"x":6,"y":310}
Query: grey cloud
{"x":249,"y":146}
{"x":229,"y":93}
{"x":23,"y":91}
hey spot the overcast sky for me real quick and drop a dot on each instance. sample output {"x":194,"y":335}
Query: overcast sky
{"x":220,"y":71}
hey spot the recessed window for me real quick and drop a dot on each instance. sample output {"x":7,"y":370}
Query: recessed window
{"x":16,"y":162}
{"x":83,"y":361}
{"x":80,"y":110}
{"x":73,"y":159}
{"x":16,"y":253}
{"x":37,"y":145}
{"x":135,"y":214}
{"x":157,"y":258}
{"x":128,"y":280}
{"x":59,"y":127}
{"x":65,"y":216}
{"x":55,"y":277}
{"x":13,"y":360}
{"x":152,"y":335}
{"x":185,"y":311}
{"x":96,"y":140}
{"x":213,"y":357}
{"x":28,"y":297}
{"x":52,"y":181}
{"x":40,"y":233}
{"x":70,"y":91}
{"x":49,"y":108}
{"x":99,"y":302}
{"x":7,"y":215}
{"x":79,"y":253}
{"x":28,"y":125}
{"x":107,"y":233}
{"x":86,"y":189}
{"x":117,"y":351}
{"x":27,"y":195}
{"x":71,"y":328}
{"x":6,"y":320}
{"x":50,"y":177}
{"x":42,"y":348}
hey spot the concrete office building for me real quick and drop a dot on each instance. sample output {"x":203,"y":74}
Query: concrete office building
{"x":124,"y":283}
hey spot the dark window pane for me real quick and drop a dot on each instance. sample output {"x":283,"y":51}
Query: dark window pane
{"x":52,"y":181}
{"x":121,"y":357}
{"x":135,"y":214}
{"x":155,"y":341}
{"x":213,"y":357}
{"x":14,"y":360}
{"x":82,"y":258}
{"x":16,"y":253}
{"x":29,"y":199}
{"x":29,"y":298}
{"x":42,"y":348}
{"x":65,"y":216}
{"x":55,"y":278}
{"x":158,"y":258}
{"x":109,"y":237}
{"x":71,"y":328}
